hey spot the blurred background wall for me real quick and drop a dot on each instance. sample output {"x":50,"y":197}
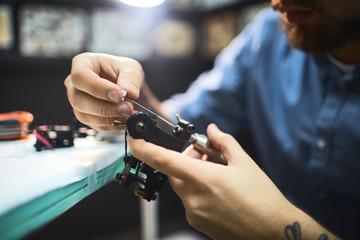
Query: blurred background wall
{"x":174,"y":42}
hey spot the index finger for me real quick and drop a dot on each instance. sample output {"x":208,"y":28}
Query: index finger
{"x":167,"y":161}
{"x":104,"y":76}
{"x":192,"y":152}
{"x":125,"y":72}
{"x":95,"y":77}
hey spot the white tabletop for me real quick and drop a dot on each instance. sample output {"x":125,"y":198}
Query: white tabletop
{"x":26,"y":174}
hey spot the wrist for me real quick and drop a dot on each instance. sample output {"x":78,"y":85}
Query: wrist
{"x":296,"y":224}
{"x":285,"y":221}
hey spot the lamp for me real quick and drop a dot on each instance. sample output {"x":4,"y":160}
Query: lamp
{"x":143,"y":3}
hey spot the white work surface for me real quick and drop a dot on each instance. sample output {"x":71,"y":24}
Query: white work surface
{"x":38,"y":186}
{"x":26,"y":174}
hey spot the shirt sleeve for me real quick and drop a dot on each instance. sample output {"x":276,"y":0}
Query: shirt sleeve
{"x":219,"y":95}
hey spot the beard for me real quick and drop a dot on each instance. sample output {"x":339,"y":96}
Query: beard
{"x":326,"y":35}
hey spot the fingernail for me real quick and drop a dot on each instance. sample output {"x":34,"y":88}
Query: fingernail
{"x":124,"y":109}
{"x":114,"y":96}
{"x":124,"y":95}
{"x":214,"y":127}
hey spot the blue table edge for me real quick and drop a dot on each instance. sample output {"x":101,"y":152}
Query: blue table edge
{"x":22,"y":220}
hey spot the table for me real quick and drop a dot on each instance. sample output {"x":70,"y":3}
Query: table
{"x":38,"y":186}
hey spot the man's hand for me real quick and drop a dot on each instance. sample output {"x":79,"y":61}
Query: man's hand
{"x":237,"y":201}
{"x":95,"y":85}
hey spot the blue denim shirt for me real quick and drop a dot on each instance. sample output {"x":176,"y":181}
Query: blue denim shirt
{"x":302,"y":111}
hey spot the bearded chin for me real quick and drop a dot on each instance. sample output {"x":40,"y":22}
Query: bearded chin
{"x":327,"y":36}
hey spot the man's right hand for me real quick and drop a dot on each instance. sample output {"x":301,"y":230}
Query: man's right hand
{"x":94,"y":88}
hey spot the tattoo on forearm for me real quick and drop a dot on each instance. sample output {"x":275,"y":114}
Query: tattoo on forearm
{"x":323,"y":237}
{"x":293,"y":232}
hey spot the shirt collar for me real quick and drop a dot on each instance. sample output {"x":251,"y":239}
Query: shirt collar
{"x":332,"y":70}
{"x":345,"y":68}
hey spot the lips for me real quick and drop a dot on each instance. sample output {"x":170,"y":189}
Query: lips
{"x":296,"y":15}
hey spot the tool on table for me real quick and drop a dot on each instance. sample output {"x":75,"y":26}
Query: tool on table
{"x":15,"y":125}
{"x":59,"y":136}
{"x":147,"y":125}
{"x":53,"y":136}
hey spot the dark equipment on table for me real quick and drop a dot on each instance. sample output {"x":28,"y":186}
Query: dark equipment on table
{"x":53,"y":136}
{"x":59,"y":136}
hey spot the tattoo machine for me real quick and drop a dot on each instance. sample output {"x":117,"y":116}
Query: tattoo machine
{"x":153,"y":128}
{"x":59,"y":136}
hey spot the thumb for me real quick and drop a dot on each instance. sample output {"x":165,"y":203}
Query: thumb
{"x":229,"y":147}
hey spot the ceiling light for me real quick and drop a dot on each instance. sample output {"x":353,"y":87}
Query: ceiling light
{"x":143,"y":3}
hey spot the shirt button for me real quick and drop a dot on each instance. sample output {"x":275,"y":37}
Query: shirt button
{"x":321,"y":145}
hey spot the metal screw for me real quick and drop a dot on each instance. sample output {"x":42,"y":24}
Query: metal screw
{"x":190,"y":128}
{"x":177,"y":130}
{"x":140,"y":127}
